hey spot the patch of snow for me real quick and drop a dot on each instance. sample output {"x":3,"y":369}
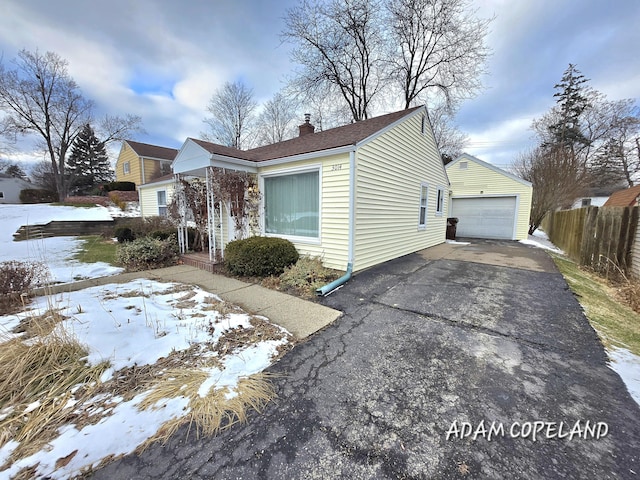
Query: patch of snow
{"x":118,"y":434}
{"x":540,"y":234}
{"x":132,"y":210}
{"x":135,"y":324}
{"x":541,"y":241}
{"x":32,"y":406}
{"x":455,"y":242}
{"x":7,"y":449}
{"x":627,"y":365}
{"x":55,"y":252}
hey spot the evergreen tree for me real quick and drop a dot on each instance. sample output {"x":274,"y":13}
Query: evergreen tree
{"x":15,"y":170}
{"x":572,"y":102}
{"x":88,"y":162}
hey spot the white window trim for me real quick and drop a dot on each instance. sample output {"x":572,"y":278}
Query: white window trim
{"x":440,"y":191}
{"x":166,"y":200}
{"x":316,"y":167}
{"x":423,"y":226}
{"x":126,"y":168}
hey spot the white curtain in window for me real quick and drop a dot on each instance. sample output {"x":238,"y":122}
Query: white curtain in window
{"x":292,"y":204}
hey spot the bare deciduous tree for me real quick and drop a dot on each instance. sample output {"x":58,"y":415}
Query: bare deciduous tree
{"x":42,"y":175}
{"x":438,"y":44}
{"x":340,"y":45}
{"x":277,"y":121}
{"x":449,"y":139}
{"x":556,"y":177}
{"x":231,"y":108}
{"x":619,"y":155}
{"x":39,"y":97}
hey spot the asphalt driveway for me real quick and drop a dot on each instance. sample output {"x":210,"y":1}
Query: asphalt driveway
{"x":432,"y":348}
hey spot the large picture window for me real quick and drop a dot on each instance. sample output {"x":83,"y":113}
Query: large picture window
{"x":292,"y":204}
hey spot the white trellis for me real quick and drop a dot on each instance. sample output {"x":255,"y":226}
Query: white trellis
{"x":181,"y":201}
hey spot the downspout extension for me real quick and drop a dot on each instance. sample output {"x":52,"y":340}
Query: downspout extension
{"x":330,"y":287}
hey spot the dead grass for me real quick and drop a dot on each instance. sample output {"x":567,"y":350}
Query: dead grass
{"x":629,"y":292}
{"x":44,"y":370}
{"x":217,"y":410}
{"x":46,"y":382}
{"x":40,"y":325}
{"x":616,"y":323}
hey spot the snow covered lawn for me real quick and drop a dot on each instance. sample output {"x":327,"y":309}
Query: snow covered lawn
{"x":164,"y":354}
{"x":57,"y":252}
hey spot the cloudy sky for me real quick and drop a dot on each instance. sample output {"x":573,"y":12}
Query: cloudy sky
{"x":163,"y":59}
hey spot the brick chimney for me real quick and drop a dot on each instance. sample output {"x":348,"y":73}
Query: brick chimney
{"x":306,"y":128}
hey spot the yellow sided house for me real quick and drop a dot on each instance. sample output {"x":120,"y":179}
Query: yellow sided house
{"x":141,"y":163}
{"x":488,"y":201}
{"x":356,"y":195}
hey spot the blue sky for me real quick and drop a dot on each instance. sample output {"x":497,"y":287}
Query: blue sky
{"x":163,"y":60}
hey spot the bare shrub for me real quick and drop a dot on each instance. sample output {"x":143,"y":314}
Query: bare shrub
{"x":307,"y":275}
{"x":147,"y":253}
{"x":16,"y":279}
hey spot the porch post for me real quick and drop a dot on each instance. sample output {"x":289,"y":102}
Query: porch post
{"x":182,"y":231}
{"x":210,"y":214}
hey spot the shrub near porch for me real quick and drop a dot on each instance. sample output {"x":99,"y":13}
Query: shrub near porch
{"x":259,"y":256}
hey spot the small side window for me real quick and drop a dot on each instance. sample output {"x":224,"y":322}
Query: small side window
{"x":464,"y":165}
{"x":126,"y":168}
{"x":1,"y":194}
{"x":440,"y":202}
{"x":162,"y":203}
{"x":424,"y":196}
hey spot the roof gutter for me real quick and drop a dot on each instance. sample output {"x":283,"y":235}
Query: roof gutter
{"x":330,"y":287}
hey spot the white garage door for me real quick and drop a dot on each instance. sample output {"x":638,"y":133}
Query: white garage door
{"x":485,"y":217}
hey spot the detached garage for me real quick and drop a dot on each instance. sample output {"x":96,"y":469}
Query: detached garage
{"x":488,"y":201}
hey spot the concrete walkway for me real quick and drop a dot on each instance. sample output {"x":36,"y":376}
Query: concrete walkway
{"x":300,"y":317}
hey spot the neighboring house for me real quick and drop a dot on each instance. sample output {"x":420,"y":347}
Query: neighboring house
{"x":141,"y":163}
{"x":595,"y":197}
{"x":10,"y":188}
{"x":629,"y":197}
{"x":156,"y":195}
{"x":488,"y":201}
{"x":356,"y":195}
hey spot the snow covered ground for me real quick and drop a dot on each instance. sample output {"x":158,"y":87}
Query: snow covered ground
{"x":55,"y":252}
{"x":627,"y":365}
{"x":621,"y":360}
{"x":136,"y":324}
{"x":126,"y":325}
{"x":541,"y":240}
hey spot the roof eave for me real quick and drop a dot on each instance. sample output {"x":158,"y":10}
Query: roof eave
{"x":308,"y":155}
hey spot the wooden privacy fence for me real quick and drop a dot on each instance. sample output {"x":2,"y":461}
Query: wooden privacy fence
{"x":599,"y":237}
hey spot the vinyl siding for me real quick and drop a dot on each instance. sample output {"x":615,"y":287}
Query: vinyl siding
{"x":149,"y":198}
{"x":390,"y":172}
{"x":127,"y":154}
{"x":334,"y":209}
{"x":635,"y":255}
{"x":478,"y":180}
{"x":151,"y":167}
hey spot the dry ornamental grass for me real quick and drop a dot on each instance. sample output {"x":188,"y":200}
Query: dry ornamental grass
{"x":47,"y":383}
